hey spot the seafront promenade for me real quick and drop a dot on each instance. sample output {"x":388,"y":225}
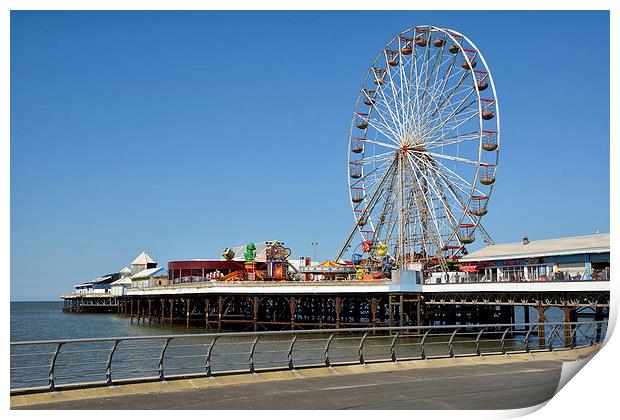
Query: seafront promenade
{"x":487,"y":382}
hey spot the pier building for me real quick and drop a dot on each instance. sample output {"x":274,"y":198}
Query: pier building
{"x":560,"y":259}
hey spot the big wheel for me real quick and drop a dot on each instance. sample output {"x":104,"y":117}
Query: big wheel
{"x":423,"y":148}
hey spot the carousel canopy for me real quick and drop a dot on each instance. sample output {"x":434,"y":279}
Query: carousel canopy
{"x":328,"y":267}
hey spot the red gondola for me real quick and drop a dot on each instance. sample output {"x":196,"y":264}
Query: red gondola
{"x":487,"y":176}
{"x":379,"y":76}
{"x":471,"y":55}
{"x":489,"y":108}
{"x":357,"y":145}
{"x":478,"y":205}
{"x":369,"y":97}
{"x":392,"y":57}
{"x":357,"y":194}
{"x":489,"y":142}
{"x":466,"y":233}
{"x":406,"y":49}
{"x":362,"y":120}
{"x":355,"y":170}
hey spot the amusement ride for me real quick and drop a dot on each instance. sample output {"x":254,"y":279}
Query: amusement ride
{"x":423,"y":151}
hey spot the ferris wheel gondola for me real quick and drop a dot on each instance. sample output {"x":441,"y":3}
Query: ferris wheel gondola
{"x":423,"y":148}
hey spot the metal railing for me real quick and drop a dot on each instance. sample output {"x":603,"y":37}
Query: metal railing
{"x":39,"y":366}
{"x":460,"y":278}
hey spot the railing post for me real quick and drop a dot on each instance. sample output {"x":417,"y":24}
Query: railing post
{"x":208,"y":359}
{"x":450,"y":348}
{"x":478,"y":352}
{"x":526,"y":340}
{"x":50,"y":375}
{"x":326,"y":351}
{"x":160,"y":366}
{"x":552,"y":337}
{"x":573,"y":341}
{"x":251,"y":356}
{"x":503,"y":342}
{"x":290,"y":354}
{"x":422,"y":349}
{"x":392,"y":347}
{"x":360,"y":350}
{"x":108,"y":368}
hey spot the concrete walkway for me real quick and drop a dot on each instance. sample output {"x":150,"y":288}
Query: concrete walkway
{"x":493,"y":382}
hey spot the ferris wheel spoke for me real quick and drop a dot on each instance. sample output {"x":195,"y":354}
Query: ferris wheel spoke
{"x":414,"y":171}
{"x":448,"y":141}
{"x":459,"y":109}
{"x":453,"y":91}
{"x":426,"y":173}
{"x":378,"y":143}
{"x":453,"y":158}
{"x":466,"y":118}
{"x":402,"y":94}
{"x":456,"y":179}
{"x":393,"y":89}
{"x":379,"y":127}
{"x":438,"y":191}
{"x":397,"y":133}
{"x":436,"y":92}
{"x":444,"y":102}
{"x":369,"y":182}
{"x":436,"y":121}
{"x":428,"y":88}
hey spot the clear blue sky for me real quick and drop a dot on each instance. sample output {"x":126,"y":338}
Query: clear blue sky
{"x":182,"y":133}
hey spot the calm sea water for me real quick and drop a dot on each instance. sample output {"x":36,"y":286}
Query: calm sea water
{"x":47,"y":321}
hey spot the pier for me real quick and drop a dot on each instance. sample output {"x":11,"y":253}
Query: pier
{"x":257,"y":306}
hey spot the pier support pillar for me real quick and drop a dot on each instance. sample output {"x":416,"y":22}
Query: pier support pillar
{"x":337,"y":305}
{"x":373,"y":311}
{"x":598,"y":317}
{"x":255,"y":304}
{"x":418,"y":312}
{"x":188,"y":303}
{"x":207,"y":310}
{"x":570,"y":315}
{"x":220,"y":309}
{"x":171,"y":311}
{"x":292,"y":304}
{"x":150,"y":319}
{"x":131,"y":311}
{"x":541,"y":328}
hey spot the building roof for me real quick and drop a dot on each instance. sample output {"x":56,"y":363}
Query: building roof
{"x":142,"y":259}
{"x":124,"y":280}
{"x":125,"y":270}
{"x":103,"y":279}
{"x":150,"y":272}
{"x":588,"y":244}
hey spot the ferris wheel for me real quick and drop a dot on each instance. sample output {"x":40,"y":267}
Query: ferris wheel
{"x":423,"y":149}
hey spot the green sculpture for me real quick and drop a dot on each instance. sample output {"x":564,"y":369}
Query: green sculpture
{"x":250,"y":252}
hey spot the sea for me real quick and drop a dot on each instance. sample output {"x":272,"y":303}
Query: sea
{"x":46,"y":321}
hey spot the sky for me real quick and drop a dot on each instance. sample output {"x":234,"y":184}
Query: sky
{"x":182,"y":133}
